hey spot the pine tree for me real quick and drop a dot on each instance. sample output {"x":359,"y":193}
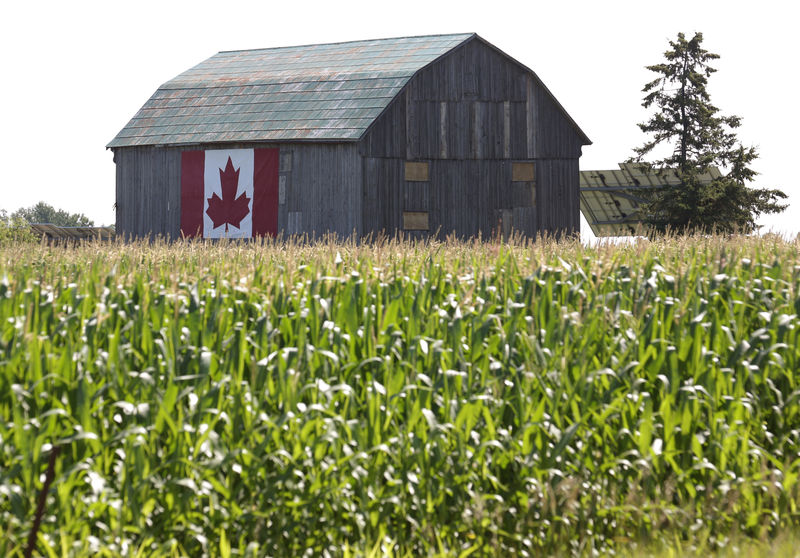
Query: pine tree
{"x":698,"y":137}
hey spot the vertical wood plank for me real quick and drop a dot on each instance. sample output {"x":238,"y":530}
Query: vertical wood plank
{"x":410,"y":126}
{"x":475,"y":127}
{"x":443,"y":129}
{"x":507,"y":129}
{"x":530,"y":121}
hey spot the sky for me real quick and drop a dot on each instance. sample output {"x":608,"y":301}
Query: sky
{"x":75,"y":72}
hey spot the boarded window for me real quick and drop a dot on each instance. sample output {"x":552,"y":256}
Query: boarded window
{"x":522,"y":172}
{"x":415,"y":220}
{"x":416,"y":171}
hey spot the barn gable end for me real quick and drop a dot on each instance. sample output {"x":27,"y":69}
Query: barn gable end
{"x":474,"y":116}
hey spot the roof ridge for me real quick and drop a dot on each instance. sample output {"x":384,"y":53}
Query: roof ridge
{"x":385,"y":39}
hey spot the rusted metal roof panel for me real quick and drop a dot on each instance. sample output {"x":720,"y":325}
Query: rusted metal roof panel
{"x":53,"y":232}
{"x":313,"y":92}
{"x":612,"y":200}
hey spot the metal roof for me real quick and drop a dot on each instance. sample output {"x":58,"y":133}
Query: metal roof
{"x":611,"y":200}
{"x":72,"y":233}
{"x":313,"y":92}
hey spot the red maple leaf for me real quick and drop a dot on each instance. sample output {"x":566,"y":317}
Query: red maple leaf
{"x":227,"y":210}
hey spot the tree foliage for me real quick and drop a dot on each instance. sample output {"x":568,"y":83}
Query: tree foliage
{"x":12,"y":228}
{"x":697,"y":137}
{"x":45,"y":213}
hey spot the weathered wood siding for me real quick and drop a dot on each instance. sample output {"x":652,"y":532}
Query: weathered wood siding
{"x":558,"y":204}
{"x":323,"y":189}
{"x":461,"y":197}
{"x":148,"y":192}
{"x":319,"y":189}
{"x":471,"y":114}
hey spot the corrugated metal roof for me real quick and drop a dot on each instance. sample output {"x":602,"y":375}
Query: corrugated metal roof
{"x":611,"y":200}
{"x":314,"y":92}
{"x":71,"y":233}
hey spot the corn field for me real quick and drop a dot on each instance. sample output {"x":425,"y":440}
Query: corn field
{"x":436,"y":398}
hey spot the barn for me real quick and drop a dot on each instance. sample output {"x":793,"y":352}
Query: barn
{"x":441,"y":134}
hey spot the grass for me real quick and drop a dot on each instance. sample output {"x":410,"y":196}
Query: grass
{"x":400,"y":398}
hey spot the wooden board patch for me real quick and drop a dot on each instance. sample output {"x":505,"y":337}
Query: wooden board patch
{"x":522,"y":172}
{"x":415,"y":220}
{"x":416,"y":171}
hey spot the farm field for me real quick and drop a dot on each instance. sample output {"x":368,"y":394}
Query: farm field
{"x":400,"y":398}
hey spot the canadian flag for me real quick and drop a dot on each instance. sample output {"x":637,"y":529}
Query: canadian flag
{"x":229,"y":193}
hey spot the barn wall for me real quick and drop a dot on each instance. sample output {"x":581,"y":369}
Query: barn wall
{"x":553,"y":135}
{"x":480,"y":109}
{"x":558,"y":196}
{"x":148,"y":191}
{"x":319,"y":189}
{"x":324,"y":191}
{"x":459,"y":198}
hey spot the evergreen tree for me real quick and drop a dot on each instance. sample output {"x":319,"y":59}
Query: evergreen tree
{"x":697,"y":137}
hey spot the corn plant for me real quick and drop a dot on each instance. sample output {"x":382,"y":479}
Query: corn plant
{"x":402,"y":398}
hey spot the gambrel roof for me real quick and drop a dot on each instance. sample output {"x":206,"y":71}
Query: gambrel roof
{"x":329,"y":92}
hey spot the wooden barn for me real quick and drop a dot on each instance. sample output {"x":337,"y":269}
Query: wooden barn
{"x":438,"y":134}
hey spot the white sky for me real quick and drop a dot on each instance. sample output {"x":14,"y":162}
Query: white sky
{"x":75,"y":72}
